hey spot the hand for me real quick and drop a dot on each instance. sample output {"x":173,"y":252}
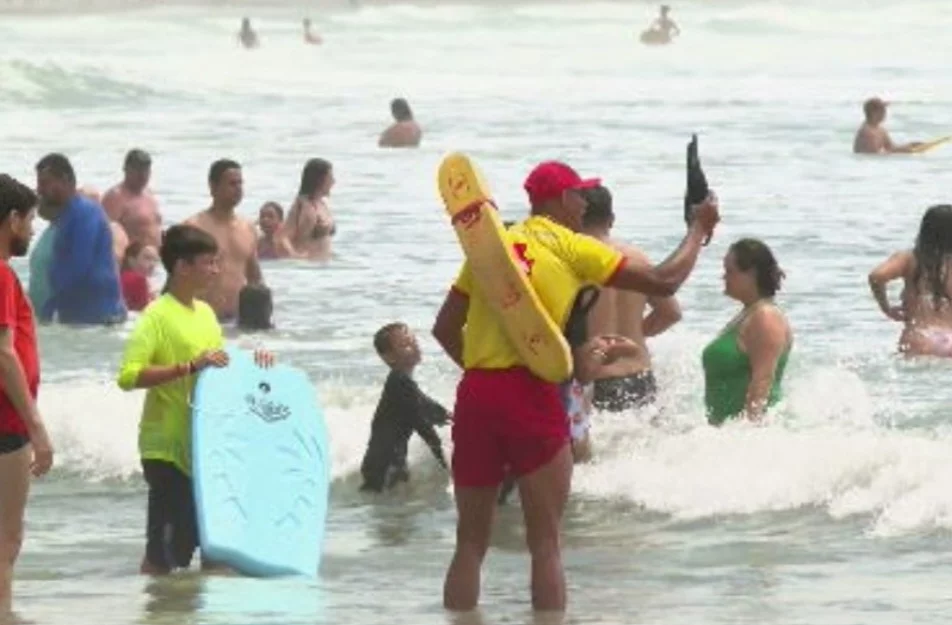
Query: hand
{"x":707,"y":215}
{"x":620,"y":347}
{"x":896,"y":313}
{"x":212,"y":358}
{"x":264,"y":358}
{"x":42,"y":449}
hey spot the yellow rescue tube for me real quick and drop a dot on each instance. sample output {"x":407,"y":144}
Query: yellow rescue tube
{"x":497,"y":272}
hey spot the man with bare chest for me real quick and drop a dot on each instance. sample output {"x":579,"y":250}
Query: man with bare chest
{"x":236,"y":237}
{"x":132,"y":205}
{"x":627,"y":382}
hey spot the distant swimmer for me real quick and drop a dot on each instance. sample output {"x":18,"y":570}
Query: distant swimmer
{"x":310,"y":36}
{"x":272,"y":244}
{"x":405,"y":132}
{"x":662,"y":30}
{"x":629,"y":382}
{"x":131,"y":203}
{"x":872,"y":138}
{"x":926,"y":271}
{"x":247,"y":36}
{"x":236,"y":239}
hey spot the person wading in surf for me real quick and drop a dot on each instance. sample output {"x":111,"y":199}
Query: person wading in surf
{"x":508,"y":420}
{"x":25,"y":446}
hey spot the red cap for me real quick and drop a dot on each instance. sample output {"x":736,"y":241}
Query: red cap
{"x":549,"y":180}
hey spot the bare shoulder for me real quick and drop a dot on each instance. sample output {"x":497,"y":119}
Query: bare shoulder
{"x":768,"y":322}
{"x":632,"y":253}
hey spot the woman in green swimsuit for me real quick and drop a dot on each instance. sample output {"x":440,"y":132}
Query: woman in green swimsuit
{"x":744,"y":364}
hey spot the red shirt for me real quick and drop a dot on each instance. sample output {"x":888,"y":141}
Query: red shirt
{"x":135,"y":289}
{"x":16,"y":316}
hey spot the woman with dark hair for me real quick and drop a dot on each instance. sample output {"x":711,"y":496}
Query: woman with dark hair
{"x":926,"y":303}
{"x":744,"y":364}
{"x":310,"y":225}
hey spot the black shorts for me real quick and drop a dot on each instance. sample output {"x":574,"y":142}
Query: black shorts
{"x":172,"y":525}
{"x":10,"y":443}
{"x":625,"y":393}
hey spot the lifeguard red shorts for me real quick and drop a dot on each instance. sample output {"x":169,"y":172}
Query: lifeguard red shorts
{"x":505,"y":421}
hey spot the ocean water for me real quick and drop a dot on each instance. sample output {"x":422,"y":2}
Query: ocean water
{"x":839,"y":510}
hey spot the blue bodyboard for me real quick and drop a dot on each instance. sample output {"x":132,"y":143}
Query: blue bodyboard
{"x":261,"y":468}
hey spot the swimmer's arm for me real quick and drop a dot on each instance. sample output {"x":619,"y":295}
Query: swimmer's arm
{"x":665,"y":279}
{"x":588,"y":360}
{"x":432,"y":411}
{"x":448,"y":327}
{"x":112,"y":205}
{"x":252,"y":266}
{"x":11,"y":371}
{"x":428,"y":433}
{"x":893,"y":268}
{"x":765,"y":337}
{"x":136,"y":370}
{"x":665,"y":311}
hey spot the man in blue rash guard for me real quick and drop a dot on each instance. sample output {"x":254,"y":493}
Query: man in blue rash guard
{"x":83,"y":276}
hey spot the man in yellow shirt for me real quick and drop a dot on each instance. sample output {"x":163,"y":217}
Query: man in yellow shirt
{"x":508,"y":420}
{"x":177,"y":336}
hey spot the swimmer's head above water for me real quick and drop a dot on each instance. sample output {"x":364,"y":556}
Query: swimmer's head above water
{"x":55,"y":183}
{"x":400,"y":109}
{"x":556,"y":191}
{"x":398,"y":347}
{"x":317,"y":179}
{"x":933,"y":251}
{"x":598,"y":212}
{"x":751,"y":271}
{"x":874,"y":109}
{"x":255,"y":308}
{"x":270,"y":218}
{"x":141,"y":258}
{"x":138,"y":169}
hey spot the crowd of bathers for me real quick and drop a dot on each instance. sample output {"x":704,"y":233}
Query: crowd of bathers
{"x":510,"y":429}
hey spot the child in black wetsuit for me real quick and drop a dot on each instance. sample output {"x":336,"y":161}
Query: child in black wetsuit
{"x":403,"y":409}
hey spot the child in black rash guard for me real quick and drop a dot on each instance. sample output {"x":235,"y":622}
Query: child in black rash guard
{"x":403,"y":409}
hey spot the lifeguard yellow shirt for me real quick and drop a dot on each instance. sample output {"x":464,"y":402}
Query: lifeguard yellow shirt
{"x":559,"y":262}
{"x":168,"y":333}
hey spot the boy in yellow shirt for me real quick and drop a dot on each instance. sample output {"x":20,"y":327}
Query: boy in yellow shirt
{"x":176,"y":337}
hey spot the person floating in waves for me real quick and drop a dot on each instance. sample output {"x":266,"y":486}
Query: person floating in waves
{"x":872,"y":137}
{"x":175,"y":338}
{"x":25,"y":446}
{"x":745,"y":363}
{"x":311,"y":37}
{"x":403,"y":409}
{"x":629,"y":381}
{"x":926,"y":306}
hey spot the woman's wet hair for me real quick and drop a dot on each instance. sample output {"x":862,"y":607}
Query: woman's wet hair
{"x":255,"y":308}
{"x":313,"y":175}
{"x":933,"y":246}
{"x":132,"y":252}
{"x":754,"y":254}
{"x":184,"y":242}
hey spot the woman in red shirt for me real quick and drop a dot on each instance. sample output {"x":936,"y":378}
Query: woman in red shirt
{"x":137,"y":266}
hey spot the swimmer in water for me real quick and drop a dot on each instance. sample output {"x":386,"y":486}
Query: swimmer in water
{"x":403,"y":410}
{"x":872,"y":137}
{"x":247,"y":36}
{"x":405,"y":132}
{"x":255,"y":308}
{"x":629,"y":382}
{"x":272,"y":244}
{"x":310,"y":225}
{"x":236,"y":238}
{"x":137,"y":267}
{"x":663,"y":28}
{"x":131,"y":203}
{"x":310,"y":36}
{"x":926,"y":305}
